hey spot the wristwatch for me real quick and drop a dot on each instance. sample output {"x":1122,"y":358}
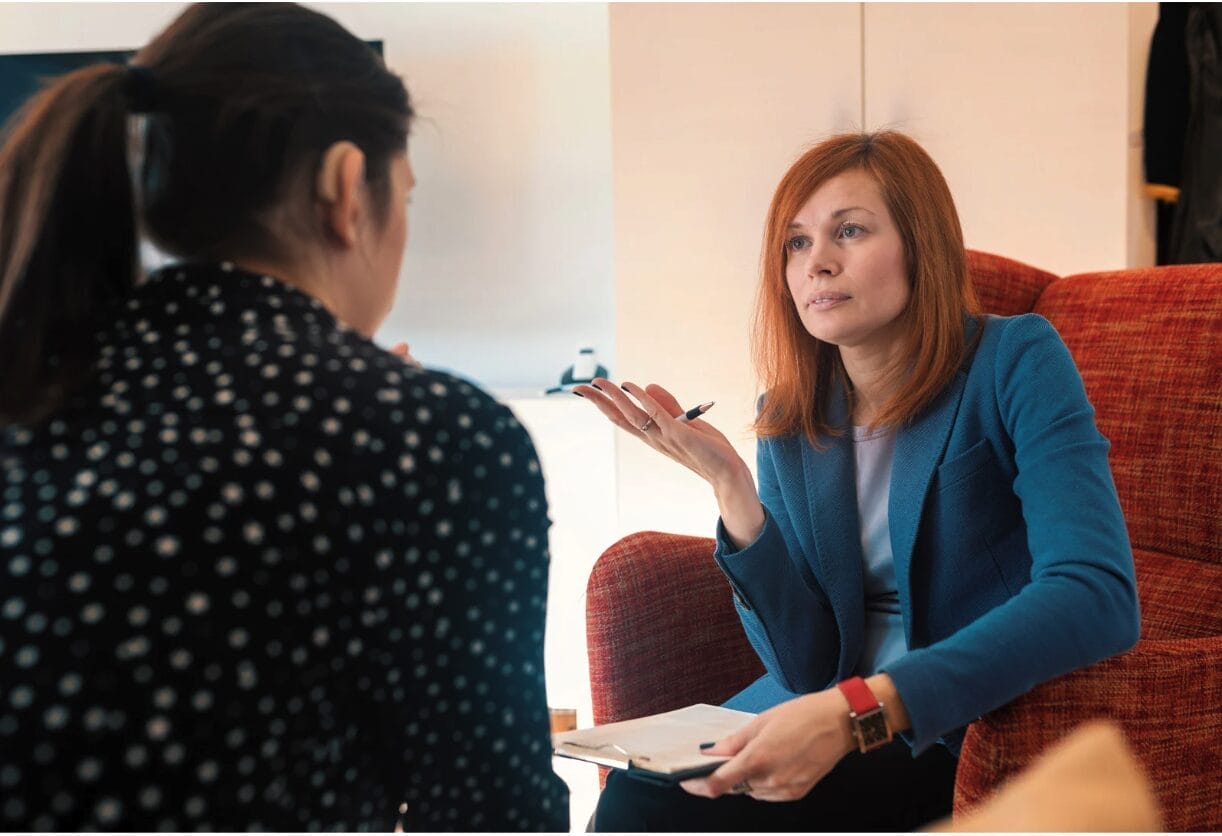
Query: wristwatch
{"x":865,"y":714}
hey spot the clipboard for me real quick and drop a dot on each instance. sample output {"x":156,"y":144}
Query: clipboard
{"x":661,"y":748}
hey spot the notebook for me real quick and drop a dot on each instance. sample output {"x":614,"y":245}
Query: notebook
{"x":662,"y":748}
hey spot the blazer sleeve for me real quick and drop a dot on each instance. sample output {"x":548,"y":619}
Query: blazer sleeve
{"x":784,"y":611}
{"x":1080,"y":605}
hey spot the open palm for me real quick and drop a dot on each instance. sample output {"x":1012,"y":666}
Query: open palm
{"x":652,"y":415}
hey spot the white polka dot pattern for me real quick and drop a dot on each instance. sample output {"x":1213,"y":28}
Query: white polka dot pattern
{"x":261,"y":575}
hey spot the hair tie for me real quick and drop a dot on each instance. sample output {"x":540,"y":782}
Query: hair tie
{"x":141,"y":89}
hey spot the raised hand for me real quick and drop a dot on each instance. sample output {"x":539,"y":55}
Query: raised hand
{"x":652,"y":415}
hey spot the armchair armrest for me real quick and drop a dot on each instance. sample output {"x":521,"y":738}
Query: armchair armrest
{"x":661,"y":628}
{"x":1166,"y":696}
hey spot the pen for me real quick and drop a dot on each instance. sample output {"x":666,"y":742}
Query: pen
{"x":695,"y":412}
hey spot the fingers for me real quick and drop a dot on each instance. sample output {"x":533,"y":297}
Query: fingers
{"x":597,"y":396}
{"x":403,"y":352}
{"x":696,"y":786}
{"x":732,"y":744}
{"x":650,"y":407}
{"x":638,"y":413}
{"x":736,"y":779}
{"x":616,"y":405}
{"x":733,"y":772}
{"x":668,"y":401}
{"x":727,"y":780}
{"x":632,"y":408}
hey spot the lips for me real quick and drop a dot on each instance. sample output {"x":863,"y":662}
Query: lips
{"x":823,"y":299}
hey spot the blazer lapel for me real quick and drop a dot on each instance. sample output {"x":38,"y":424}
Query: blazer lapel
{"x":832,"y":492}
{"x":919,"y":448}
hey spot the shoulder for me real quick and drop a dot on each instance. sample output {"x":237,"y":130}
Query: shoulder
{"x":1024,"y":368}
{"x":404,"y":397}
{"x":1012,"y":349}
{"x":1003,"y":337}
{"x":364,"y":407}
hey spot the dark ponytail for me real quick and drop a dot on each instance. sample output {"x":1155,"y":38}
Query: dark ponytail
{"x":239,"y":100}
{"x":67,"y":234}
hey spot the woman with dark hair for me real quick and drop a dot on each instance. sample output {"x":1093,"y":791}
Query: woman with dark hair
{"x":255,"y":572}
{"x":935,"y":530}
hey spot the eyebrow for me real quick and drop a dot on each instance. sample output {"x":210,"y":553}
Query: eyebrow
{"x":836,"y":214}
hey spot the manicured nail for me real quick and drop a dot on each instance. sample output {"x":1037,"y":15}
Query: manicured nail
{"x":708,"y":745}
{"x":624,"y":386}
{"x":578,"y":394}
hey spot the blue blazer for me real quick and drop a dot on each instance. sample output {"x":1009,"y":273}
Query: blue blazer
{"x":1012,"y":560}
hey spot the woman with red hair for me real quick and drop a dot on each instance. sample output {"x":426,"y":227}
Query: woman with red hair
{"x":935,"y":530}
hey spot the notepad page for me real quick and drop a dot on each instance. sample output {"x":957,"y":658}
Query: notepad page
{"x":666,"y":743}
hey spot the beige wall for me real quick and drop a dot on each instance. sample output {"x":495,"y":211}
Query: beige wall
{"x":1141,"y":228}
{"x":710,"y":104}
{"x":1027,"y":109}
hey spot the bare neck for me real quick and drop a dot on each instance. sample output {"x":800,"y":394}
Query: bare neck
{"x":307,"y":274}
{"x":871,"y":373}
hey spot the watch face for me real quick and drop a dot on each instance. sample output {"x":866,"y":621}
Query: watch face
{"x":872,"y":729}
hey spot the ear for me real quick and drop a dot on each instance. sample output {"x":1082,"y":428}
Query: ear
{"x":337,"y":188}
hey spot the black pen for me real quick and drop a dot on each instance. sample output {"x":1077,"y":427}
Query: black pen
{"x":695,"y":412}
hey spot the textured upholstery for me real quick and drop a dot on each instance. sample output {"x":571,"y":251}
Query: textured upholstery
{"x":663,"y":631}
{"x":1180,"y":598}
{"x":661,"y":628}
{"x":1004,"y":286}
{"x":1165,"y":695}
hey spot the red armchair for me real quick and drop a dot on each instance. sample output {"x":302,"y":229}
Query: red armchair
{"x":662,"y":631}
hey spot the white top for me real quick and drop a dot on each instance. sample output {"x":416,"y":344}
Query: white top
{"x":884,"y":633}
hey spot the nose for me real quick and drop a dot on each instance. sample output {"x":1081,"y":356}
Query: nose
{"x":822,"y":260}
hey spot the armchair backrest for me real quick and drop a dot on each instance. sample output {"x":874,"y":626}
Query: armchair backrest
{"x":1004,"y":286}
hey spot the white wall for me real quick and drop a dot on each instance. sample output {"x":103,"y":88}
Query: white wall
{"x":508,"y":268}
{"x":65,"y":27}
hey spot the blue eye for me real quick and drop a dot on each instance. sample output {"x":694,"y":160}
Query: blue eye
{"x":797,"y":243}
{"x":851,"y":231}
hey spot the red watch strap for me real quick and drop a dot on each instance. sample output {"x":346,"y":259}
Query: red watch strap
{"x":857,"y":692}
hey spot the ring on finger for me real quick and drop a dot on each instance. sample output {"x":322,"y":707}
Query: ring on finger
{"x":645,"y":427}
{"x":741,"y":788}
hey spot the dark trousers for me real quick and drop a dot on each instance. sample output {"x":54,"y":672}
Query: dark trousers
{"x":885,"y":790}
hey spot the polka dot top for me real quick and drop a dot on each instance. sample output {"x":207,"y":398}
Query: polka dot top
{"x":262,"y":575}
